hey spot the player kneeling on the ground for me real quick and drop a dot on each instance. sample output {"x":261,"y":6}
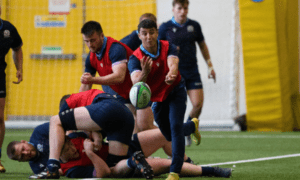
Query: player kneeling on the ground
{"x":105,"y":113}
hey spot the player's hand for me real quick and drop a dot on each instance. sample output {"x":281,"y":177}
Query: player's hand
{"x":170,"y":78}
{"x":86,"y":78}
{"x":97,"y":145}
{"x":19,"y":75}
{"x":146,"y":64}
{"x":97,"y":139}
{"x":212,"y":74}
{"x":88,"y":145}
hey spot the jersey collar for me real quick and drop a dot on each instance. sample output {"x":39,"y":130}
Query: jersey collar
{"x":177,"y":24}
{"x":100,"y":53}
{"x":149,"y":54}
{"x":1,"y":25}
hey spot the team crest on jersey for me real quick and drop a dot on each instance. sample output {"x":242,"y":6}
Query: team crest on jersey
{"x":157,"y":64}
{"x":40,"y":147}
{"x":101,"y":64}
{"x":6,"y":33}
{"x":174,"y":30}
{"x":190,"y":28}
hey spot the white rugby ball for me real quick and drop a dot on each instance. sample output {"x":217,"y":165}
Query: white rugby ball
{"x":140,"y":95}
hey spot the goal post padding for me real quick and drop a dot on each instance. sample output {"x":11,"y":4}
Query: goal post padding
{"x":268,"y":63}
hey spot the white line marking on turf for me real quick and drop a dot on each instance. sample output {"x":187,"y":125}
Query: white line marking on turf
{"x":252,"y":136}
{"x":254,"y":160}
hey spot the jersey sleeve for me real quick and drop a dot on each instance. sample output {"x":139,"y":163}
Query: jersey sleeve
{"x":162,"y":32}
{"x":80,"y":172}
{"x":88,"y":66}
{"x":198,"y":30}
{"x":35,"y":167}
{"x":172,"y":50}
{"x":117,"y":53}
{"x":17,"y":41}
{"x":134,"y":64}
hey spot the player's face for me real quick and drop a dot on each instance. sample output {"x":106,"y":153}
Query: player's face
{"x":94,"y":42}
{"x":69,"y":152}
{"x":148,"y":37}
{"x":24,"y":151}
{"x":180,"y":12}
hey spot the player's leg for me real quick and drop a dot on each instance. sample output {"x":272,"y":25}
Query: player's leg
{"x":151,"y":140}
{"x":2,"y":129}
{"x":196,"y":96}
{"x":145,"y":119}
{"x":118,"y":122}
{"x":177,"y":105}
{"x":162,"y":166}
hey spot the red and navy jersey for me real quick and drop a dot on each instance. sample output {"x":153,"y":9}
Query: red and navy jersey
{"x":185,"y":36}
{"x":9,"y":38}
{"x":104,"y":65}
{"x":83,"y":159}
{"x":83,"y":98}
{"x":156,"y":78}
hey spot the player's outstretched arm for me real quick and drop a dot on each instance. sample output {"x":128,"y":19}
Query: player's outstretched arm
{"x":173,"y":69}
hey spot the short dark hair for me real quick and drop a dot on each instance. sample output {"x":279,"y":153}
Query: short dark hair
{"x":90,"y":27}
{"x":148,"y":24}
{"x":148,"y":16}
{"x":11,"y":150}
{"x":63,"y":99}
{"x":182,"y":2}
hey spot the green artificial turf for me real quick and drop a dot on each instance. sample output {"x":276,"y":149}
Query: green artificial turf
{"x":215,"y":148}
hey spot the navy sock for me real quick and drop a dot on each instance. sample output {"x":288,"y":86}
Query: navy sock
{"x":188,"y":128}
{"x":207,"y":171}
{"x":112,"y":160}
{"x":188,"y":160}
{"x":0,"y":153}
{"x":53,"y":165}
{"x":130,"y":163}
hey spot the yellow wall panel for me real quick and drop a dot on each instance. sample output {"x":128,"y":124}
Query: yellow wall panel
{"x":118,"y":18}
{"x":45,"y":80}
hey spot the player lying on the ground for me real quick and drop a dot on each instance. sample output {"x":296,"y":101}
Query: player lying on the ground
{"x":80,"y":161}
{"x":36,"y":150}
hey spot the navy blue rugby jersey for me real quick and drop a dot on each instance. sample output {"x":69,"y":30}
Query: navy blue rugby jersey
{"x":132,"y":40}
{"x":40,"y":140}
{"x":9,"y":38}
{"x":185,"y":36}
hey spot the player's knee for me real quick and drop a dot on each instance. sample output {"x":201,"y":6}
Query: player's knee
{"x":54,"y":120}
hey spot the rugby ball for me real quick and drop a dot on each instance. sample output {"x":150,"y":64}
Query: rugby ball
{"x":140,"y":95}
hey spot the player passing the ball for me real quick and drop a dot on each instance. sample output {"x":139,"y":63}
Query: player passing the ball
{"x":156,"y":63}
